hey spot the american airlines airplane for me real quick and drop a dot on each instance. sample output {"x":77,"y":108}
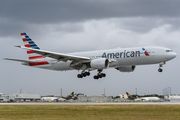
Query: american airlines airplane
{"x":122,"y":59}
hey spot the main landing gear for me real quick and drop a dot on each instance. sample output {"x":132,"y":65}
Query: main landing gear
{"x":83,"y":74}
{"x":99,"y":75}
{"x":161,"y":65}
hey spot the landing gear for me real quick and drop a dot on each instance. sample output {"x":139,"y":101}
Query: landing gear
{"x":83,"y":74}
{"x":161,"y":65}
{"x":99,"y":75}
{"x":79,"y":76}
{"x":160,"y":70}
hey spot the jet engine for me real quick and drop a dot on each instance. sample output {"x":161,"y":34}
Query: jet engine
{"x":100,"y":63}
{"x":126,"y":69}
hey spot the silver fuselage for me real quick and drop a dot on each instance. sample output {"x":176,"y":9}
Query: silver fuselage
{"x":120,"y":57}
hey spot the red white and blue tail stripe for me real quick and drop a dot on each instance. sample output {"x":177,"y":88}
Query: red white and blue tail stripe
{"x":29,"y":43}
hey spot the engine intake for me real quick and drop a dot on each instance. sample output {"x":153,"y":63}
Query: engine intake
{"x":100,"y":63}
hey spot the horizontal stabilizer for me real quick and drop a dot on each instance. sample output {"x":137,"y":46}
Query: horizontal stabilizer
{"x":27,"y":61}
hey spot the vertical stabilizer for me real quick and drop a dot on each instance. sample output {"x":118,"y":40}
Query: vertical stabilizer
{"x":31,"y":44}
{"x":76,"y":97}
{"x":128,"y":94}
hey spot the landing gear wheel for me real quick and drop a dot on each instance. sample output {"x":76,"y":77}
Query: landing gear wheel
{"x":83,"y":74}
{"x":96,"y":77}
{"x":79,"y":76}
{"x":161,"y":65}
{"x":100,"y":76}
{"x":88,"y":73}
{"x":103,"y":75}
{"x":160,"y":70}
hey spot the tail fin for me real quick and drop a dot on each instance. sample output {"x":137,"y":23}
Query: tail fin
{"x":76,"y":97}
{"x":130,"y":97}
{"x":128,"y":94}
{"x":29,"y":43}
{"x":72,"y":94}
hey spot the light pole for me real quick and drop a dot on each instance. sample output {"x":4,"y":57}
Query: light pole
{"x":136,"y":91}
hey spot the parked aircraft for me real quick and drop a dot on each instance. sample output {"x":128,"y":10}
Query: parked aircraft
{"x":130,"y":97}
{"x":47,"y":99}
{"x":69,"y":97}
{"x":76,"y":97}
{"x":122,"y":59}
{"x":142,"y":98}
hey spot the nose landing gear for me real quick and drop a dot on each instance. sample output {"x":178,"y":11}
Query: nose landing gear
{"x":161,"y":65}
{"x":160,"y":70}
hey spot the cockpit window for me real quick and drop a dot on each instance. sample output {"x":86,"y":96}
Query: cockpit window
{"x":169,"y":51}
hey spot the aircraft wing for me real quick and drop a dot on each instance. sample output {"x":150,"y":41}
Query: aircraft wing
{"x":55,"y":55}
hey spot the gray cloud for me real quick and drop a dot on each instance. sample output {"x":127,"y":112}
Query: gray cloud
{"x":45,"y":11}
{"x":20,"y":15}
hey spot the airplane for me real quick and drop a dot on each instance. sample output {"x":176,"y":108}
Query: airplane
{"x":130,"y":97}
{"x":69,"y":97}
{"x":122,"y":59}
{"x":142,"y":98}
{"x":76,"y":97}
{"x":46,"y":99}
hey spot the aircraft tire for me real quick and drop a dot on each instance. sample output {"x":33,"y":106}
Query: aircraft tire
{"x":88,"y":73}
{"x":83,"y":74}
{"x":160,"y":70}
{"x":79,"y":76}
{"x":103,"y":75}
{"x":96,"y":77}
{"x":100,"y":76}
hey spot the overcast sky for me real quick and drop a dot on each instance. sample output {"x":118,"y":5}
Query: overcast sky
{"x":77,"y":25}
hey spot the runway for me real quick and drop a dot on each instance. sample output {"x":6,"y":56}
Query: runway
{"x":123,"y":103}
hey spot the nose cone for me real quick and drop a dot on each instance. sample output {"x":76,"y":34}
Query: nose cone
{"x":172,"y":55}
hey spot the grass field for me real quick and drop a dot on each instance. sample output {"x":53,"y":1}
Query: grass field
{"x":88,"y":112}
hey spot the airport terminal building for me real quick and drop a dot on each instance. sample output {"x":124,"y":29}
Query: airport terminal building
{"x":173,"y":97}
{"x":94,"y":99}
{"x":19,"y":97}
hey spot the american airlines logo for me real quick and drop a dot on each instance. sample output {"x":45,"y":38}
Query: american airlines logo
{"x":125,"y":54}
{"x":145,"y":52}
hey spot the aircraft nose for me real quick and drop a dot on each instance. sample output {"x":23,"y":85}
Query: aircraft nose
{"x":172,"y":55}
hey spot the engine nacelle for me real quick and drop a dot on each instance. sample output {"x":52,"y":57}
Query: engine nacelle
{"x":126,"y":69}
{"x":100,"y":63}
